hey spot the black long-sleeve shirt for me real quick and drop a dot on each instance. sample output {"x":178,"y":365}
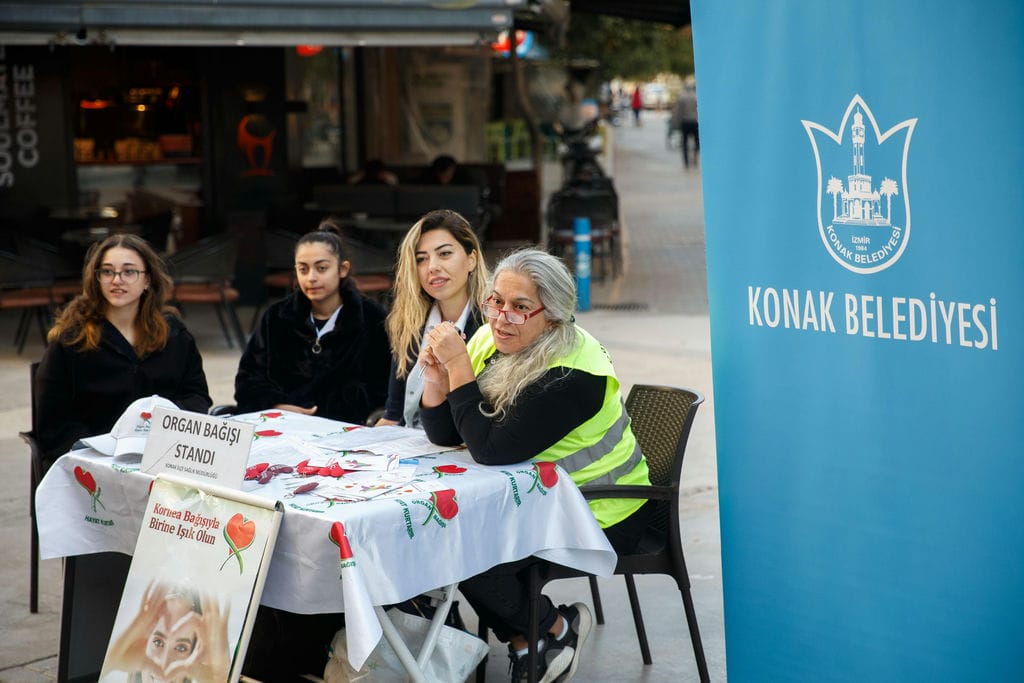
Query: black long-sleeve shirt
{"x":82,"y":393}
{"x":561,"y":400}
{"x":347,"y":380}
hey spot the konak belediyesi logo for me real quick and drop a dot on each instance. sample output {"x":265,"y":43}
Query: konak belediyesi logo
{"x":864,"y":205}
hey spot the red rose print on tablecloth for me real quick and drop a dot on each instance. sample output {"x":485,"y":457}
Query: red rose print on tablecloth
{"x":146,"y":415}
{"x":266,"y":433}
{"x":545,"y":476}
{"x":239,"y":532}
{"x":87,"y":482}
{"x":448,"y":469}
{"x":338,"y":538}
{"x":270,"y":415}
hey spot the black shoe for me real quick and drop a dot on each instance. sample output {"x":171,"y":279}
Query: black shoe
{"x":519,"y":665}
{"x":563,"y":656}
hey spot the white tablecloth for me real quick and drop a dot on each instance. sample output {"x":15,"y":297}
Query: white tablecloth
{"x":400,"y":546}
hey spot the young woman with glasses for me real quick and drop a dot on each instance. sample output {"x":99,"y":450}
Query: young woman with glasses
{"x":441,"y":276}
{"x":114,"y":343}
{"x":322,"y":350}
{"x":534,"y":385}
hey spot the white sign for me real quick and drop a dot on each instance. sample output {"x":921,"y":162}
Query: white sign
{"x":196,"y":446}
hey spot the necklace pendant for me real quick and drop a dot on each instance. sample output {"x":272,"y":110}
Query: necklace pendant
{"x":316,"y":347}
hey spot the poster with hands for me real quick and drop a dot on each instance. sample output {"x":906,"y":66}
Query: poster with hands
{"x":193,"y":587}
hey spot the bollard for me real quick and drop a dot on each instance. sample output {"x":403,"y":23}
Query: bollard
{"x":581,"y":250}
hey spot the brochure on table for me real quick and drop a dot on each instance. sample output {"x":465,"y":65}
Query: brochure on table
{"x":195,"y":581}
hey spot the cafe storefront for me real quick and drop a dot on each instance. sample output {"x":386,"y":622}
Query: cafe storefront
{"x":222,"y":113}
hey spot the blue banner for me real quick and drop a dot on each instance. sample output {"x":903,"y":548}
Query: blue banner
{"x":862,"y":167}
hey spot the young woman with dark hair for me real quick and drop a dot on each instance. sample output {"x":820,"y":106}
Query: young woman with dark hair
{"x":322,"y":349}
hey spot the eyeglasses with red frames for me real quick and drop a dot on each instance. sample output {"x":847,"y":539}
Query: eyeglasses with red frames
{"x":513,"y":317}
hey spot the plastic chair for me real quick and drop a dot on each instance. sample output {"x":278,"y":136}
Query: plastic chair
{"x":35,"y":476}
{"x":661,"y":418}
{"x":203,"y":273}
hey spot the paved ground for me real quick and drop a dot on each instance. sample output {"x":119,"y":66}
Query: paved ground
{"x":654,"y":322}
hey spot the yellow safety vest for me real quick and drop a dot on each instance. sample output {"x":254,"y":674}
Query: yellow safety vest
{"x":603,"y":449}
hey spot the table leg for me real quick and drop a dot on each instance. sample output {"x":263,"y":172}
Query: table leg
{"x":398,"y":645}
{"x":436,"y":624}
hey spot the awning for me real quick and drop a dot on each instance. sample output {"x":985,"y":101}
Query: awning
{"x":254,"y":22}
{"x":675,"y":12}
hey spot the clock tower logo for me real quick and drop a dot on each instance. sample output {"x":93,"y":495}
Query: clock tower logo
{"x":864,"y":222}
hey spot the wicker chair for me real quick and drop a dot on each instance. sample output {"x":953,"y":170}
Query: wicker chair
{"x":661,"y":418}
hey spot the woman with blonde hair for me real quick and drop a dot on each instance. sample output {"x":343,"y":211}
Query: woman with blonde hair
{"x":440,"y":277}
{"x":116,"y":342}
{"x":533,"y":385}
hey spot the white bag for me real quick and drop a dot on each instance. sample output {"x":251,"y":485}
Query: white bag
{"x":455,"y":656}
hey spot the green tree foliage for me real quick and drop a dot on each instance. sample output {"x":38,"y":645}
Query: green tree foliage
{"x":628,"y":49}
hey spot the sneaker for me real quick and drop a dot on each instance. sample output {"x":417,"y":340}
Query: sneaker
{"x":519,"y":665}
{"x":563,"y":656}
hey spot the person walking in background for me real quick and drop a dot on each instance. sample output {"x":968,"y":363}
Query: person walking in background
{"x":116,"y":342}
{"x":440,"y":277}
{"x":684,"y":119}
{"x":637,"y":105}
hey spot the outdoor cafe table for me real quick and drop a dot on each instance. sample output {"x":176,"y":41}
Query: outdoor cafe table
{"x":462,"y":519}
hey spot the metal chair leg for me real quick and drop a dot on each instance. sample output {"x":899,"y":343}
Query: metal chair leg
{"x":638,"y":619}
{"x":481,"y":668}
{"x":33,"y":559}
{"x":698,"y":647}
{"x":595,"y":595}
{"x":223,"y":326}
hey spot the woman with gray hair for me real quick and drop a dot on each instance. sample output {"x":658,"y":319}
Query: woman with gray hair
{"x":533,"y":385}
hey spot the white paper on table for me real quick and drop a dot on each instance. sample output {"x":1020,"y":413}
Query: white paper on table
{"x":359,"y":461}
{"x":286,"y":450}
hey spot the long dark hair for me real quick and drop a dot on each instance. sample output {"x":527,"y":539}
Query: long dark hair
{"x":80,"y":322}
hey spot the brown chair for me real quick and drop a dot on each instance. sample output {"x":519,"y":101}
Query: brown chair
{"x":28,"y":288}
{"x":661,"y":418}
{"x":203,"y":274}
{"x":35,"y":476}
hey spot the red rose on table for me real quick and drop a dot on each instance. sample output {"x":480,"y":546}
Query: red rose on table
{"x":267,"y":432}
{"x":448,"y":469}
{"x":239,"y":533}
{"x":339,"y":539}
{"x":545,"y":475}
{"x":270,"y":415}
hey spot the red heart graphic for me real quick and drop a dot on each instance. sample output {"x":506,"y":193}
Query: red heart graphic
{"x":339,"y":539}
{"x":547,"y":473}
{"x":449,"y":469}
{"x":85,"y":479}
{"x":146,"y":416}
{"x":241,"y":531}
{"x":268,"y":432}
{"x":445,"y":503}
